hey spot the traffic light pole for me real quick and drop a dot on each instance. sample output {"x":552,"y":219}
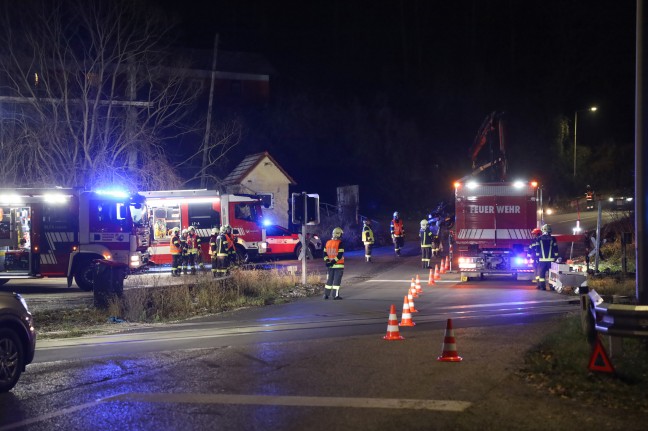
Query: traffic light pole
{"x":303,"y":240}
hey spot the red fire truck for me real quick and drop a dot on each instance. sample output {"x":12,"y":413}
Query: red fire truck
{"x":60,"y":232}
{"x":204,"y":210}
{"x":493,"y":224}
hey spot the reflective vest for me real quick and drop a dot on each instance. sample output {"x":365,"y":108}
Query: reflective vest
{"x":192,"y":243}
{"x":175,"y":246}
{"x":397,"y":227}
{"x":426,"y":237}
{"x":546,"y":249}
{"x":367,"y":235}
{"x":335,"y":251}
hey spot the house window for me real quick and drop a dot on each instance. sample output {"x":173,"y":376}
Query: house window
{"x":267,"y":200}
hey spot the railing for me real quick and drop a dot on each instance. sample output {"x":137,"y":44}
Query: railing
{"x":618,"y":319}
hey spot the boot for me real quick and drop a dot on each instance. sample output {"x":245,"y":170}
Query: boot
{"x":327,"y":292}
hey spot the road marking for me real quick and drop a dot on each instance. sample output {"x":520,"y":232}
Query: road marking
{"x":409,"y":281}
{"x":265,"y":400}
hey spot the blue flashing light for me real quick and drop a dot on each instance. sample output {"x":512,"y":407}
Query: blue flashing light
{"x":267,"y":222}
{"x":113,"y":193}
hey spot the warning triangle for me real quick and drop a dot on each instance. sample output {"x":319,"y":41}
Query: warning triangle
{"x":599,"y":360}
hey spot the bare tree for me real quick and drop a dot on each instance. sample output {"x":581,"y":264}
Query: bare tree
{"x":89,"y":94}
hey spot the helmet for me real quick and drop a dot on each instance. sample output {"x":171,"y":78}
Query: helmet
{"x":424,"y":223}
{"x":337,"y":233}
{"x":175,"y":230}
{"x":223,"y":229}
{"x":184,"y":231}
{"x":214,"y":231}
{"x":536,"y":232}
{"x":228,"y":228}
{"x":192,"y":229}
{"x":396,"y":215}
{"x":366,"y":221}
{"x":546,"y":229}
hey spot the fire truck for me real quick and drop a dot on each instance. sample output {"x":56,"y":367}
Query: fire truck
{"x":61,"y":232}
{"x":493,"y":217}
{"x":204,"y":210}
{"x":493,"y":224}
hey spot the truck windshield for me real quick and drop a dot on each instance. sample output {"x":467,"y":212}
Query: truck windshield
{"x":139,"y":213}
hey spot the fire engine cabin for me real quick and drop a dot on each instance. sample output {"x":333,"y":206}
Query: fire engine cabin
{"x":493,"y":224}
{"x":60,"y":232}
{"x":205,"y":210}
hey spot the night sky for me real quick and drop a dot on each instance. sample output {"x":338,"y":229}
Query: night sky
{"x":438,"y":68}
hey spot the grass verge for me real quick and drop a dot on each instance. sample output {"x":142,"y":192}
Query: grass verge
{"x":197,"y":295}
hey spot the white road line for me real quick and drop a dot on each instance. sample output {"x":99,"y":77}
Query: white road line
{"x":266,"y":400}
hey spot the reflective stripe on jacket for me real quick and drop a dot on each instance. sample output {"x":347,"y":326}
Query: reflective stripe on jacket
{"x":546,"y":249}
{"x":367,"y":235}
{"x":397,"y":228}
{"x":426,"y":237}
{"x":174,"y":245}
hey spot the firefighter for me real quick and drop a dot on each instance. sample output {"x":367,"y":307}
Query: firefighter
{"x":434,"y":227}
{"x":367,"y":238}
{"x":221,"y":250}
{"x":334,"y":259}
{"x":213,"y":249}
{"x":175,"y":246}
{"x":193,"y":245}
{"x":183,"y":245}
{"x":397,"y":233}
{"x":546,"y":251}
{"x":231,"y":245}
{"x":427,"y":242}
{"x":532,"y":252}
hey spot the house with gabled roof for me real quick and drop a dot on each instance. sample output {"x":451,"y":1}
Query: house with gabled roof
{"x":261,"y":174}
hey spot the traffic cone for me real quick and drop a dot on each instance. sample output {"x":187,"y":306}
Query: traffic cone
{"x":442,"y":267}
{"x":413,"y":289}
{"x":447,"y":263}
{"x":449,"y":346}
{"x":436,"y":272}
{"x":431,"y":278}
{"x":392,"y":326}
{"x":418,"y":285}
{"x":406,"y":319}
{"x":410,"y":299}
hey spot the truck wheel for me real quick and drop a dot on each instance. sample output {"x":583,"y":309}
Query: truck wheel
{"x":242,"y":256}
{"x":84,"y":277}
{"x":298,"y":248}
{"x":11,"y":359}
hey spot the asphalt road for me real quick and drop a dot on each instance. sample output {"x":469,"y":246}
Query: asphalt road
{"x":316,"y":365}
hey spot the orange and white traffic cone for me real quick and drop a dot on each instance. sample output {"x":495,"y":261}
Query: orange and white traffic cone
{"x":406,"y":319}
{"x":442,"y":267}
{"x":447,"y":263}
{"x":410,"y":300}
{"x":449,"y":353}
{"x":419,"y":290}
{"x":431,"y":278}
{"x":436,"y":272}
{"x":413,"y":289}
{"x":392,"y":326}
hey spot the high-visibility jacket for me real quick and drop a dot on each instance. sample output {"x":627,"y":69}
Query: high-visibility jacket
{"x":426,"y":236}
{"x":212,"y":244}
{"x":367,"y":235}
{"x":546,"y":249}
{"x":334,"y":250}
{"x":231,"y":248}
{"x":397,"y":228}
{"x":193,"y":242}
{"x":174,"y":245}
{"x":221,"y":246}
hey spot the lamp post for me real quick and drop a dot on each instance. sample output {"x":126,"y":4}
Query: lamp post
{"x":591,"y":109}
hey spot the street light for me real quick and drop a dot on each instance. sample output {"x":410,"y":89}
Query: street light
{"x":591,"y":109}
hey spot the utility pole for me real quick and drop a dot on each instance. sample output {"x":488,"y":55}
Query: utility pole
{"x":205,"y":143}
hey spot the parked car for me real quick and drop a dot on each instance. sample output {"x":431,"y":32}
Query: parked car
{"x":282,"y":242}
{"x":17,"y":339}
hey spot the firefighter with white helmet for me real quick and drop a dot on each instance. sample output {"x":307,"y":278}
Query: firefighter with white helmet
{"x":334,"y":259}
{"x":193,"y":248}
{"x":546,"y":251}
{"x":367,"y":238}
{"x":427,"y":242}
{"x":397,"y":233}
{"x":175,"y":247}
{"x":220,"y":254}
{"x":185,"y":254}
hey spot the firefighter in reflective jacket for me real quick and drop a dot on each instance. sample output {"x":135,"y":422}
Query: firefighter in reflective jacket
{"x":231,"y":245}
{"x":427,"y":242}
{"x":334,"y":259}
{"x":193,"y":245}
{"x":532,"y":252}
{"x":212,"y":249}
{"x":220,"y":250}
{"x":367,"y":238}
{"x":175,"y":248}
{"x":546,"y":251}
{"x":397,"y":233}
{"x":183,"y":245}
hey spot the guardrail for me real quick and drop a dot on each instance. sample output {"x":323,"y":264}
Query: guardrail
{"x":618,"y":319}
